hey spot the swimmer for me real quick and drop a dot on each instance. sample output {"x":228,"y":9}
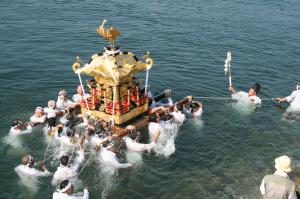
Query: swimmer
{"x":251,"y":95}
{"x":18,"y":127}
{"x":134,"y":145}
{"x":66,"y":191}
{"x":193,"y":107}
{"x":63,"y":103}
{"x":26,"y":168}
{"x":67,"y":171}
{"x":177,"y":114}
{"x":293,"y":99}
{"x":154,"y":127}
{"x":109,"y":158}
{"x":39,"y":117}
{"x":51,"y":113}
{"x":78,"y":97}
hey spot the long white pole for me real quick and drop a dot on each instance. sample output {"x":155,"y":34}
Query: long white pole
{"x":87,"y":105}
{"x":146,"y":84}
{"x":114,"y":98}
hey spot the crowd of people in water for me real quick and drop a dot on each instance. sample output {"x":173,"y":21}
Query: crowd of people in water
{"x":65,"y":124}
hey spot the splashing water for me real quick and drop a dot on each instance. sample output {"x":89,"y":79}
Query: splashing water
{"x":16,"y":143}
{"x":243,"y":105}
{"x":165,"y":145}
{"x":134,"y":157}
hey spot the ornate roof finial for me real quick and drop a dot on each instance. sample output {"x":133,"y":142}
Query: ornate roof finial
{"x":110,"y":34}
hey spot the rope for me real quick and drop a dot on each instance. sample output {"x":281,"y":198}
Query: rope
{"x":84,"y":166}
{"x":228,"y":98}
{"x":71,"y":155}
{"x":87,"y":105}
{"x":47,"y":149}
{"x":217,"y":98}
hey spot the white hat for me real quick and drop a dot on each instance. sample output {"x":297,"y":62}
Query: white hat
{"x":39,"y":109}
{"x":283,"y":163}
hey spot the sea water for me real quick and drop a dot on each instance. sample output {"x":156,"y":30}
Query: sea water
{"x":223,"y":155}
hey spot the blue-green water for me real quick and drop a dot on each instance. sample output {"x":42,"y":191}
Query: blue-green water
{"x":227,"y":155}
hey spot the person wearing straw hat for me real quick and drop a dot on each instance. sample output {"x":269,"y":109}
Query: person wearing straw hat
{"x":278,"y":185}
{"x":67,"y":171}
{"x":26,"y":168}
{"x":251,"y":95}
{"x":66,"y":191}
{"x":293,"y":99}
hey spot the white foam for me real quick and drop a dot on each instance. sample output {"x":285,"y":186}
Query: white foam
{"x":135,"y":158}
{"x":243,"y":105}
{"x":165,"y":145}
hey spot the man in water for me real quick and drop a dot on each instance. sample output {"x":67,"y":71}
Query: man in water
{"x":251,"y":95}
{"x":293,"y":99}
{"x":26,"y":168}
{"x":39,"y":117}
{"x":134,"y":145}
{"x":66,"y":191}
{"x":66,"y":171}
{"x":278,"y":185}
{"x":109,"y":158}
{"x":51,"y":113}
{"x":154,"y":127}
{"x":63,"y":103}
{"x":79,"y":95}
{"x":18,"y":127}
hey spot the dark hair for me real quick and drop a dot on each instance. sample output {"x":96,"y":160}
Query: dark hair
{"x":193,"y":106}
{"x":90,"y":131}
{"x":16,"y":122}
{"x":52,"y":122}
{"x":64,"y":160}
{"x":179,"y":107}
{"x":152,"y":117}
{"x":63,"y":184}
{"x":70,"y":132}
{"x":70,"y":116}
{"x":60,"y":129}
{"x":256,"y":87}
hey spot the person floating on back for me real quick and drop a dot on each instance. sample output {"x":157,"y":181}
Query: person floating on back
{"x":251,"y":95}
{"x":293,"y":99}
{"x":278,"y":185}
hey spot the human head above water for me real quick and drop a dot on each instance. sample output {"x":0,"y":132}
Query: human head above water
{"x":79,"y":90}
{"x":64,"y":160}
{"x":28,"y":160}
{"x":66,"y":187}
{"x":153,"y":118}
{"x":253,"y":90}
{"x":63,"y":95}
{"x":39,"y":111}
{"x":298,"y":86}
{"x":51,"y":104}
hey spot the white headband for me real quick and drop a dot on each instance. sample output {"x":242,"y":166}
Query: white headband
{"x":30,"y":160}
{"x":66,"y":188}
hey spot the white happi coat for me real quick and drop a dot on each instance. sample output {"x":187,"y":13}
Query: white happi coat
{"x":23,"y":170}
{"x":67,"y":172}
{"x":58,"y":195}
